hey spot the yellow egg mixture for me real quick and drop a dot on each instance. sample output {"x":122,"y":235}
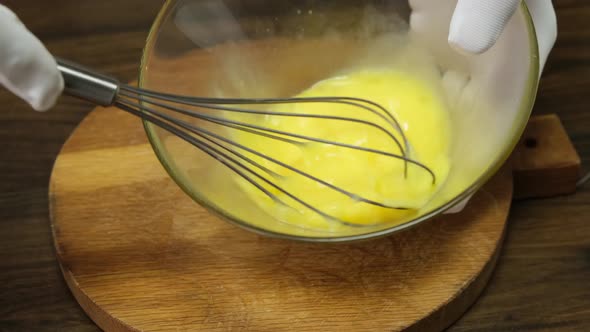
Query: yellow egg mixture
{"x":418,"y":106}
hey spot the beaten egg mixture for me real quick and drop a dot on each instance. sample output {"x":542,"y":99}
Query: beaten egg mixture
{"x":422,"y":113}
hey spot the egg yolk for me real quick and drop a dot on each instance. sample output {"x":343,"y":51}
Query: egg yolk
{"x":301,"y":181}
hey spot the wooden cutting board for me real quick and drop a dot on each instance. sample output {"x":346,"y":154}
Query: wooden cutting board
{"x":140,"y":255}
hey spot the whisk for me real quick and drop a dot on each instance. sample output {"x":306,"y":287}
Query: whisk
{"x":105,"y":91}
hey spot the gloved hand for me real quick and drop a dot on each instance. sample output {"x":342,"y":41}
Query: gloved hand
{"x":27,"y":69}
{"x":477,"y":24}
{"x":485,"y":81}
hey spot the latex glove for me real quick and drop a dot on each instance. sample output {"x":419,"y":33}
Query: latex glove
{"x":477,"y":24}
{"x":492,"y":47}
{"x":27,"y":69}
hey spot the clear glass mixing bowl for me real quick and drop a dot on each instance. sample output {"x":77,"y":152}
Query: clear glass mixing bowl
{"x":260,"y":48}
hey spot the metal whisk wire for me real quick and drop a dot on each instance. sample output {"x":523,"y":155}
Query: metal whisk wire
{"x":106,"y":91}
{"x":207,"y":103}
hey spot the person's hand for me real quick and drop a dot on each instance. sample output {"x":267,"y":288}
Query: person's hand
{"x":27,"y":69}
{"x":483,"y":50}
{"x":477,"y":24}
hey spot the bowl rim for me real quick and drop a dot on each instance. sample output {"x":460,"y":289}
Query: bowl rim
{"x":527,"y":102}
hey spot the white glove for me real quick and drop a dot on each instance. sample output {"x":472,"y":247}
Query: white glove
{"x":477,"y":24}
{"x":484,"y":49}
{"x":27,"y":69}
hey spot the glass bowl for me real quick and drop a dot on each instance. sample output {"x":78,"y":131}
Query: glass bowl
{"x":269,"y":49}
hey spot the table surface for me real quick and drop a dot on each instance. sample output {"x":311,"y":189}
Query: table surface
{"x":542,"y":282}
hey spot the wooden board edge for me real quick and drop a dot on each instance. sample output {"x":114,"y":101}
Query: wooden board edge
{"x":103,"y":319}
{"x":442,"y":318}
{"x":545,"y":162}
{"x":100,"y":317}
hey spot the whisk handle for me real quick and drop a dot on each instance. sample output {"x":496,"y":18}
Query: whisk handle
{"x":87,"y":84}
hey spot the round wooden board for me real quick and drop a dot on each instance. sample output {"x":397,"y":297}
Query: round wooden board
{"x":140,"y":255}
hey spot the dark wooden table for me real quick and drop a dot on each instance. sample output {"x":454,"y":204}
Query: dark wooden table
{"x":542,"y":282}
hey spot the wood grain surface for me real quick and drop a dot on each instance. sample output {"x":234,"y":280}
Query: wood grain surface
{"x":545,"y":163}
{"x":140,"y":255}
{"x":540,"y":284}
